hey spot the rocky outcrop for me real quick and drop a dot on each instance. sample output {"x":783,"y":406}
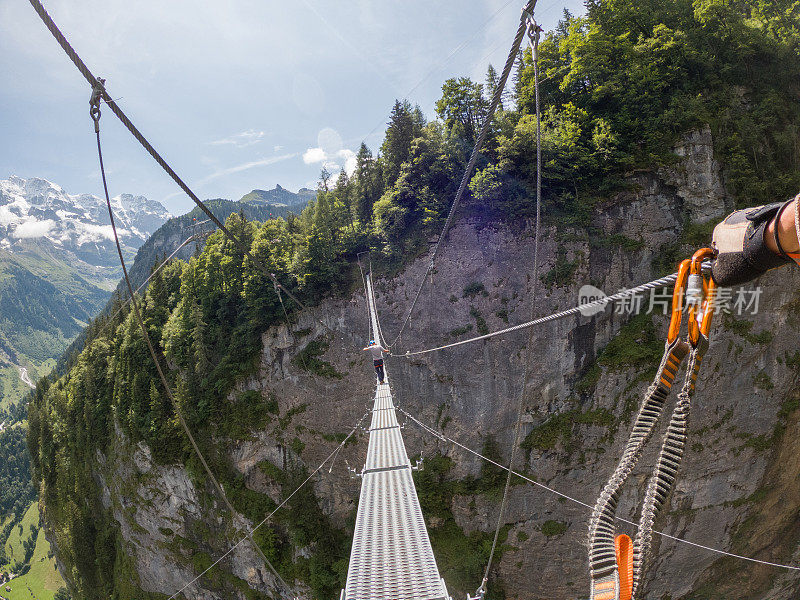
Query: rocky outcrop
{"x":740,"y":469}
{"x":170,"y":526}
{"x":697,"y":177}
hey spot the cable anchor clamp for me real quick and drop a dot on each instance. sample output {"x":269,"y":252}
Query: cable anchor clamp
{"x":533,"y":29}
{"x":275,"y":283}
{"x":353,"y":473}
{"x":98,"y":90}
{"x":480,"y":594}
{"x":419,"y":466}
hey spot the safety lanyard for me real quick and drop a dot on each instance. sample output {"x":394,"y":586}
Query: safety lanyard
{"x":616,"y":563}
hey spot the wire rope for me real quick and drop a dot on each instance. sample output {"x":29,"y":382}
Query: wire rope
{"x":95,"y":112}
{"x":579,"y":309}
{"x":487,"y":123}
{"x":533,"y":33}
{"x":382,"y":338}
{"x":442,"y":437}
{"x":98,"y":88}
{"x":154,"y":273}
{"x":444,"y":61}
{"x":364,"y":281}
{"x":277,"y":508}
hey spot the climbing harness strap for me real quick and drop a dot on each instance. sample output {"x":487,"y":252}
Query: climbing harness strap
{"x":616,"y":568}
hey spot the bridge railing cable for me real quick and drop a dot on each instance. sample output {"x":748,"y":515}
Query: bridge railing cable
{"x":576,"y":310}
{"x":95,"y":114}
{"x":277,"y":508}
{"x":532,"y":29}
{"x":155,"y":272}
{"x":440,"y":65}
{"x":444,"y":438}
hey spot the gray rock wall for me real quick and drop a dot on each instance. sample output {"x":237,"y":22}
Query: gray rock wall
{"x":738,"y":488}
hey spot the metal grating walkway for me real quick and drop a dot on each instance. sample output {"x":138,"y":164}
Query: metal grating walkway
{"x":391,"y":558}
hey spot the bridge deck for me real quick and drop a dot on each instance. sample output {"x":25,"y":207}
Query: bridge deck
{"x":391,"y":558}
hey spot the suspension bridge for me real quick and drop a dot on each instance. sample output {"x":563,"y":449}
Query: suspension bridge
{"x":391,"y":556}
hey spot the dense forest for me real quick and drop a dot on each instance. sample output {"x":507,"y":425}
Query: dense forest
{"x":193,"y":223}
{"x":16,"y":487}
{"x":619,"y":86}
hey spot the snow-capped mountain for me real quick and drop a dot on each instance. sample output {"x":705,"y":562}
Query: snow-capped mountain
{"x":35,"y":209}
{"x":58,"y":268}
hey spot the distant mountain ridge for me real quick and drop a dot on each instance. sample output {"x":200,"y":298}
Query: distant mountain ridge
{"x":258,"y":205}
{"x":280,"y":196}
{"x":36,"y":209}
{"x":59,"y":267}
{"x":58,"y":270}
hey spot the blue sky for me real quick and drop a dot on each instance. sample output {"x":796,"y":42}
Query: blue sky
{"x":236,"y":94}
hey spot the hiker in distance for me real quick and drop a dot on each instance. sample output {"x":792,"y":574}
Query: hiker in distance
{"x":377,"y":358}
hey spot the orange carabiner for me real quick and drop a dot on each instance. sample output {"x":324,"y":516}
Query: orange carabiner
{"x":691,"y":279}
{"x":677,"y":300}
{"x":700,"y":322}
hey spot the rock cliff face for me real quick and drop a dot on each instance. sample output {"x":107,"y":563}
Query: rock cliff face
{"x":738,"y":489}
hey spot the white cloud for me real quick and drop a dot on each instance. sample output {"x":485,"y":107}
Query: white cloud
{"x":332,"y":168}
{"x":241,"y":140}
{"x":330,"y":153}
{"x":89,"y":232}
{"x":314,"y":155}
{"x":349,"y":161}
{"x":6,"y":216}
{"x":244,"y":167}
{"x":33,"y":229}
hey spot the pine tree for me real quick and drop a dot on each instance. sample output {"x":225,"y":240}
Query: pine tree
{"x":157,"y":412}
{"x":202,"y":362}
{"x":397,"y":144}
{"x":324,"y":220}
{"x":324,"y":178}
{"x":418,"y":118}
{"x":462,"y":107}
{"x":365,"y":184}
{"x":492,"y":81}
{"x":516,"y":78}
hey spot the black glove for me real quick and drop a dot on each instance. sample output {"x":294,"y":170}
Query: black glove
{"x":739,"y":240}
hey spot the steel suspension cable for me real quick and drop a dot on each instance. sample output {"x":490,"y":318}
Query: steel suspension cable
{"x":127,"y":301}
{"x":374,"y":304}
{"x":444,"y":438}
{"x":281,"y":505}
{"x":533,"y":33}
{"x":364,"y":281}
{"x":443,"y":62}
{"x":98,"y":87}
{"x":95,"y":112}
{"x":289,"y":329}
{"x":601,"y":302}
{"x":487,"y":123}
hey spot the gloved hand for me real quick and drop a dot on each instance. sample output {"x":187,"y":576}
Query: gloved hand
{"x":741,"y":244}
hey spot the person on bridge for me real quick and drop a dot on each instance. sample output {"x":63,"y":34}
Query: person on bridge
{"x":377,"y":358}
{"x":752,"y":241}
